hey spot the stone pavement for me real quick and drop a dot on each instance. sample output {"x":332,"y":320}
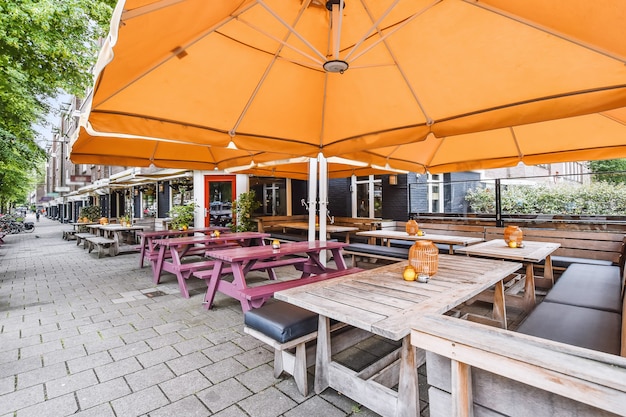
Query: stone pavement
{"x":94,"y":337}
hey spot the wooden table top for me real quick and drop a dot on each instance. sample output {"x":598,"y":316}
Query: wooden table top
{"x":224,"y":237}
{"x":381,"y":302}
{"x":531,"y":251}
{"x":260,"y":252}
{"x":189,"y":231}
{"x":437,"y":238}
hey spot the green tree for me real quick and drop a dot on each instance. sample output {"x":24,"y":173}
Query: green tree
{"x":46,"y":47}
{"x":609,"y":170}
{"x":243,"y":208}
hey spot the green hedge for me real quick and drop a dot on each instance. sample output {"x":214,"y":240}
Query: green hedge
{"x":599,"y":198}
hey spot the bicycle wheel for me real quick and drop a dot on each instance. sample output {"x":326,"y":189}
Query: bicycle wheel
{"x":29,"y":230}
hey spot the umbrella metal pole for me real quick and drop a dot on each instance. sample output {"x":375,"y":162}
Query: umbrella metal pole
{"x":499,"y":221}
{"x":312,"y":197}
{"x":323,"y":199}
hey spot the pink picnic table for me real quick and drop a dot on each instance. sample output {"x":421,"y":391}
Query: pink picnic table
{"x":148,"y":250}
{"x":241,"y":260}
{"x":178,"y":247}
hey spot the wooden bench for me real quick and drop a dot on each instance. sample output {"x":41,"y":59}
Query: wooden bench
{"x":584,"y":308}
{"x":80,"y":238}
{"x":69,"y":235}
{"x":367,"y":250}
{"x":102,"y":243}
{"x":480,"y":370}
{"x":287,"y":329}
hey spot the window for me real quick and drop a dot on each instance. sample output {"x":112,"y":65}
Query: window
{"x":367,"y":196}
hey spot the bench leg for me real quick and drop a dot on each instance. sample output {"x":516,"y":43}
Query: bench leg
{"x":299,"y":371}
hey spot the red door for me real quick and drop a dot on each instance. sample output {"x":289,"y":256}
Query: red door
{"x":219,"y":191}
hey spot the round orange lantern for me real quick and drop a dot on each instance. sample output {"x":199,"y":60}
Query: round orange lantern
{"x":412,"y":227}
{"x":424,"y":257}
{"x":513,"y":236}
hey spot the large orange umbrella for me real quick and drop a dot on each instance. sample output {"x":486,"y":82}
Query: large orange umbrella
{"x":304,"y":76}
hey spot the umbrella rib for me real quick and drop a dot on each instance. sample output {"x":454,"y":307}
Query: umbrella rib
{"x":519,"y":150}
{"x":233,"y":130}
{"x":174,"y":53}
{"x":383,"y":40}
{"x":547,"y":30}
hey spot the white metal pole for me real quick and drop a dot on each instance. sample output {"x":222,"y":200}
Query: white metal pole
{"x":323,"y":194}
{"x":312,"y":197}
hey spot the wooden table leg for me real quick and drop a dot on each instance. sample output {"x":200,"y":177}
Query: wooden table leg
{"x":529,"y":287}
{"x":548,"y":273}
{"x":322,"y":356}
{"x":408,"y":387}
{"x":499,"y":304}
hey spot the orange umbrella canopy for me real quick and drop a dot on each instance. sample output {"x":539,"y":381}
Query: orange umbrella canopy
{"x":304,"y":76}
{"x":124,"y":150}
{"x":582,"y":138}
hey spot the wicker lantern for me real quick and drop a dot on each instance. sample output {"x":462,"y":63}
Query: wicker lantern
{"x":424,"y":257}
{"x":513,"y":234}
{"x":412,"y":227}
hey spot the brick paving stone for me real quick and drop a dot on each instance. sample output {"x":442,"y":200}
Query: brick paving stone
{"x":232,"y":411}
{"x":189,"y":407}
{"x":222,"y":351}
{"x":161,"y":341}
{"x":70,"y":383}
{"x":223,"y":370}
{"x":189,"y":362}
{"x":315,"y":406}
{"x":41,"y":375}
{"x":129,"y":350}
{"x":7,"y":384}
{"x":60,"y":406}
{"x":192,"y":345}
{"x":103,"y":410}
{"x":223,"y":395}
{"x":255,"y":357}
{"x":102,"y":393}
{"x":150,"y":376}
{"x":117,"y":369}
{"x":268,"y":403}
{"x":185,"y":385}
{"x":89,"y":362}
{"x":160,"y":355}
{"x":258,"y":379}
{"x":23,"y":365}
{"x":22,"y":398}
{"x":140,"y":402}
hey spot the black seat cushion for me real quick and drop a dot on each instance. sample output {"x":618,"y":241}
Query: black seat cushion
{"x":591,"y":286}
{"x":281,"y":321}
{"x":579,"y":326}
{"x":402,"y":253}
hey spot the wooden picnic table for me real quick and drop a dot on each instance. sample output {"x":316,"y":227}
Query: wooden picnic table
{"x":381,"y":302}
{"x":532,"y":252}
{"x":330,"y":228}
{"x":452,"y":240}
{"x":148,"y":250}
{"x":242,"y":260}
{"x":178,"y":247}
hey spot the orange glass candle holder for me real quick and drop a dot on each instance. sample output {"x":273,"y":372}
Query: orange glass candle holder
{"x":513,"y":234}
{"x":412,"y":227}
{"x":424,"y":257}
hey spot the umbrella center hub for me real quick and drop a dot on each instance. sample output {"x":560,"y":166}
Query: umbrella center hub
{"x":335,"y":65}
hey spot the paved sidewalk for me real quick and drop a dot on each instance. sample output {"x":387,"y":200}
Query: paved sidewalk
{"x":93,"y":337}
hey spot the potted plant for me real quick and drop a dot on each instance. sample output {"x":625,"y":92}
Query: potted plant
{"x":243,"y":208}
{"x":125,"y":220}
{"x":182,"y":216}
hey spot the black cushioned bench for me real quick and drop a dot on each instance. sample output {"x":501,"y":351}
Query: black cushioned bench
{"x":584,"y":308}
{"x":375,"y":251}
{"x":284,"y":326}
{"x":288,"y":328}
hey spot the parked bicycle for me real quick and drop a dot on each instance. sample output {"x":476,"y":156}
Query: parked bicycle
{"x":14,"y":225}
